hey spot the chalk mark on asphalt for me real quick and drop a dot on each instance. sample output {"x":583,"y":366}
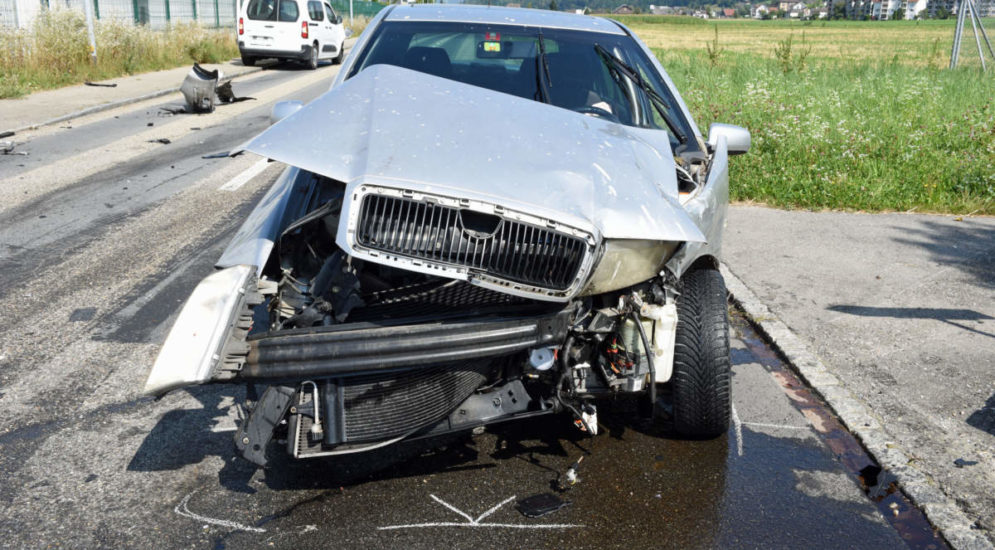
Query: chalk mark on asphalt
{"x":184,"y":511}
{"x":471,"y":522}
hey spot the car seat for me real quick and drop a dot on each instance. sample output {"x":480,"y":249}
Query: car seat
{"x":434,"y":61}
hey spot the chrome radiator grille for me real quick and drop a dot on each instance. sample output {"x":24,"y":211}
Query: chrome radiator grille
{"x":500,"y":247}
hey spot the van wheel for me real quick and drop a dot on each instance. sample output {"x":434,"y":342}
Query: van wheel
{"x":338,"y":58}
{"x":702,"y":389}
{"x":312,"y":61}
{"x":248,"y":61}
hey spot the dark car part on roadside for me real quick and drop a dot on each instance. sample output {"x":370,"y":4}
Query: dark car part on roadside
{"x":227,"y":95}
{"x":540,"y":505}
{"x":100,"y":84}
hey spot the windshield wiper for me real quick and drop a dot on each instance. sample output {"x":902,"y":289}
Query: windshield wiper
{"x":542,"y":68}
{"x":658,"y":102}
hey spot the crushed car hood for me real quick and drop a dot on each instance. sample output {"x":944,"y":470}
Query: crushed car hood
{"x":399,"y":128}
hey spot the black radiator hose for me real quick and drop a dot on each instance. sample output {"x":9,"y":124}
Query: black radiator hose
{"x":649,"y":360}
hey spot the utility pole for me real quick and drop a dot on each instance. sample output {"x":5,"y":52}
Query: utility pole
{"x":88,"y":8}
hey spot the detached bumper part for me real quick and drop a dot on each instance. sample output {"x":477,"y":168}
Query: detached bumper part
{"x":200,"y":342}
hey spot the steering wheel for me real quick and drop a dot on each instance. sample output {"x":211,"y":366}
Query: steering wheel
{"x":597,"y":112}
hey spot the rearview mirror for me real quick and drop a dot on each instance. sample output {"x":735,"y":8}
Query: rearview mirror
{"x":737,"y":138}
{"x":283,"y":109}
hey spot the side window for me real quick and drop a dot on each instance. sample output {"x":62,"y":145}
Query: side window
{"x":288,"y":10}
{"x":261,"y":10}
{"x":314,"y":10}
{"x":330,"y":12}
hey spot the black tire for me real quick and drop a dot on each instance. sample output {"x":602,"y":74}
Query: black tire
{"x":701,"y":383}
{"x":338,"y":58}
{"x":248,"y":61}
{"x":312,"y":59}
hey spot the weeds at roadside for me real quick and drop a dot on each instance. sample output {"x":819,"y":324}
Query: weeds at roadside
{"x":849,"y":134}
{"x":55,"y":51}
{"x":792,"y":58}
{"x":714,"y":49}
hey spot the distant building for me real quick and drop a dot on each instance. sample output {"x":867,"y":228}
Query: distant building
{"x":624,"y":9}
{"x":728,"y":12}
{"x":662,"y":10}
{"x":884,"y":10}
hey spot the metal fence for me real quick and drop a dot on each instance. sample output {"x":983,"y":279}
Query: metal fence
{"x":156,"y":13}
{"x":359,"y":8}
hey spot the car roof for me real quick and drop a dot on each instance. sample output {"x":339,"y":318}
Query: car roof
{"x":499,"y":15}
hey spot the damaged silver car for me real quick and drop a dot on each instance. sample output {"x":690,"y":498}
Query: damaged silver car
{"x":504,"y":213}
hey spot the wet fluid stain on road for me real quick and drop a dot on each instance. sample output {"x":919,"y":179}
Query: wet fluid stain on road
{"x":771,"y":483}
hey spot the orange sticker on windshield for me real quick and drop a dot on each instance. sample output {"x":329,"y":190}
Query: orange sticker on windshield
{"x":492,"y":46}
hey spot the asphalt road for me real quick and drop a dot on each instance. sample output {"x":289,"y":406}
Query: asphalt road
{"x":103,"y":234}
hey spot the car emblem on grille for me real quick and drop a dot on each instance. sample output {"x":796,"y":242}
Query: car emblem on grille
{"x":478,"y":224}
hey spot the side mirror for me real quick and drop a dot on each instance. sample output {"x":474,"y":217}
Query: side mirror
{"x":338,"y":19}
{"x":737,"y":138}
{"x":283,"y":109}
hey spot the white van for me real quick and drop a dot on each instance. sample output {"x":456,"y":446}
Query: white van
{"x":301,"y":30}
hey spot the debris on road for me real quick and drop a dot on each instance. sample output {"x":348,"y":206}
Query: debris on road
{"x":170,"y":110}
{"x":100,"y":85}
{"x":570,"y":478}
{"x":540,"y":505}
{"x":227,"y":95}
{"x":164,"y":141}
{"x":6,"y":134}
{"x":7,"y":148}
{"x":960,"y":462}
{"x":218,"y":155}
{"x":198,"y":89}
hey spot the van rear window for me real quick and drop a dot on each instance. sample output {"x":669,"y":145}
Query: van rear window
{"x":272,"y":10}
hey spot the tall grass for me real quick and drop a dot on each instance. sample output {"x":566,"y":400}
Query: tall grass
{"x":55,"y":51}
{"x":843,"y":135}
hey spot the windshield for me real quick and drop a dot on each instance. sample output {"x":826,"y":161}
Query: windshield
{"x":509,"y":59}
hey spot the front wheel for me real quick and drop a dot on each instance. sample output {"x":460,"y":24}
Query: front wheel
{"x":701,"y":382}
{"x":248,"y":61}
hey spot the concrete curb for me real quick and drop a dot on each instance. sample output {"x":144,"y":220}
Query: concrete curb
{"x":941,"y":510}
{"x":123,"y":102}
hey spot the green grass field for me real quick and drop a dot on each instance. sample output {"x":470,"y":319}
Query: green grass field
{"x":839,"y":121}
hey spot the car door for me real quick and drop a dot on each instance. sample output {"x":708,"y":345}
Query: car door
{"x":319,"y":27}
{"x":335,"y":27}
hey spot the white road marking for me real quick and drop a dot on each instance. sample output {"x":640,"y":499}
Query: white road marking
{"x":777,"y":426}
{"x":738,"y":425}
{"x":245,"y":176}
{"x":182,"y":510}
{"x":470,"y":522}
